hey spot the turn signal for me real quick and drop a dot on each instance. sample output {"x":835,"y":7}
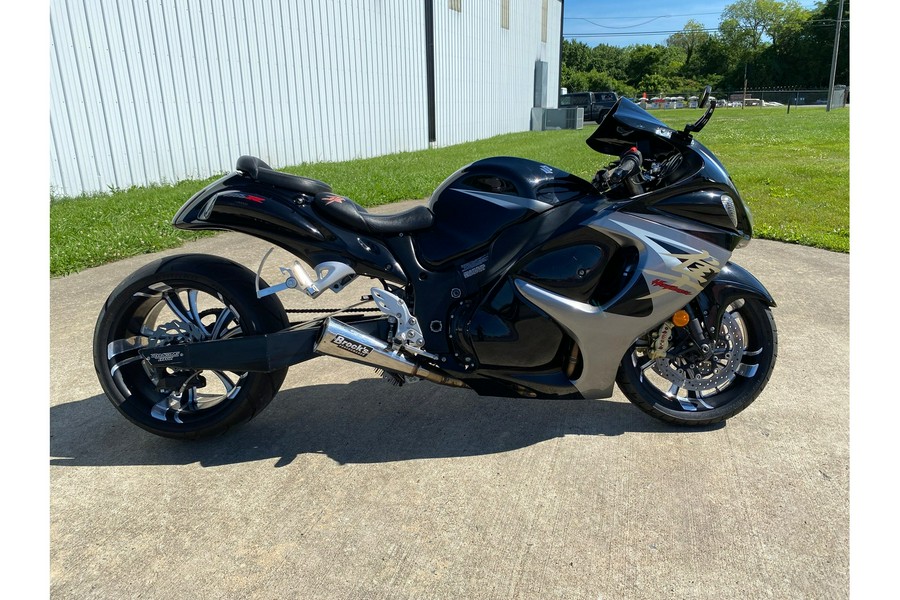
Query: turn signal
{"x":681,"y":318}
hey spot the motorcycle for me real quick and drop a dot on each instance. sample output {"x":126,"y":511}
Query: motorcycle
{"x":516,"y":280}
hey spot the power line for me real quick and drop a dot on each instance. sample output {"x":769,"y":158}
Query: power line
{"x":816,"y":23}
{"x":642,"y":16}
{"x":626,"y":26}
{"x":631,"y":33}
{"x":651,"y":18}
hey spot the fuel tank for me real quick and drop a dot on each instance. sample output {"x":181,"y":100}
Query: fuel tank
{"x":475,"y":204}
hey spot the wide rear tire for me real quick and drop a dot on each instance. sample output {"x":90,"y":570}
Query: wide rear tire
{"x":182,"y":299}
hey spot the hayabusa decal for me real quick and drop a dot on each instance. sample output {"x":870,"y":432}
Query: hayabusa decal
{"x":662,"y":284}
{"x":692,"y":273}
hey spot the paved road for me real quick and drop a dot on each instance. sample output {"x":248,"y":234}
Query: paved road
{"x":347,"y":487}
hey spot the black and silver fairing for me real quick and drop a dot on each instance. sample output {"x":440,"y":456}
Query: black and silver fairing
{"x":673,"y":267}
{"x":616,"y":274}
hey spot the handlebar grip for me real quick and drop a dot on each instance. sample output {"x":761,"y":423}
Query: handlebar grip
{"x":628,"y":164}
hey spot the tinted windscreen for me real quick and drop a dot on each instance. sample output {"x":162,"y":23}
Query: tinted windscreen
{"x":627,"y":125}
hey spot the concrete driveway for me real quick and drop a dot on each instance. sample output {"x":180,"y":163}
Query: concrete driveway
{"x":347,"y":487}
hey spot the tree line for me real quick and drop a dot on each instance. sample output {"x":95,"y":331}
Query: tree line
{"x":772,"y":43}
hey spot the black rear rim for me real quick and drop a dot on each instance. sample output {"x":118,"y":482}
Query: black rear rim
{"x":161,"y":314}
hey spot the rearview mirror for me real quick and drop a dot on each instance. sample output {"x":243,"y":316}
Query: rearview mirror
{"x":702,"y":121}
{"x":704,"y":97}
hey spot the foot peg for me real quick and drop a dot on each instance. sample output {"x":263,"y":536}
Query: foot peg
{"x":330,"y":275}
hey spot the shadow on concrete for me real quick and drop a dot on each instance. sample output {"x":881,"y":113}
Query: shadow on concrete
{"x":365,"y":421}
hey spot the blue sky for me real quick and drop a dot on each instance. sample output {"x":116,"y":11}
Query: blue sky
{"x":622,"y":22}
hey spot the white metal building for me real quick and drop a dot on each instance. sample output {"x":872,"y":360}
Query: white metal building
{"x":145,"y":92}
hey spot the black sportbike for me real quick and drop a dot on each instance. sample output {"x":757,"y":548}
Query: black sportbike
{"x":516,"y":280}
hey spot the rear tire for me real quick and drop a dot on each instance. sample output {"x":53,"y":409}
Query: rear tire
{"x":179,"y":299}
{"x":702,"y":393}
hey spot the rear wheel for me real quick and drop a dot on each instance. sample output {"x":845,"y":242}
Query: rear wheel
{"x":692,"y":389}
{"x":177,"y":300}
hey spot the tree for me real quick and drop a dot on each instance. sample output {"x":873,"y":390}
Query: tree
{"x":609,"y":59}
{"x":654,"y":85}
{"x":688,"y":39}
{"x":749,"y":21}
{"x":643,"y":60}
{"x":576,"y":55}
{"x":757,"y":22}
{"x":791,"y":19}
{"x":803,"y":54}
{"x":777,"y":42}
{"x":593,"y":81}
{"x":750,"y":28}
{"x":716,"y":63}
{"x":660,"y":85}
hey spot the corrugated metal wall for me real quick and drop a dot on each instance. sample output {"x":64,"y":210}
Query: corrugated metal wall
{"x":145,"y":92}
{"x":484,"y":74}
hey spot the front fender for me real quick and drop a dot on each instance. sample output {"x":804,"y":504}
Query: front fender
{"x":733,"y":282}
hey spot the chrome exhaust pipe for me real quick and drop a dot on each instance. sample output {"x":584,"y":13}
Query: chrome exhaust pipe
{"x":343,"y":341}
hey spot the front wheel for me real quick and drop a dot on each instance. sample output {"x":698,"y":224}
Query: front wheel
{"x":178,"y":300}
{"x":695,"y":390}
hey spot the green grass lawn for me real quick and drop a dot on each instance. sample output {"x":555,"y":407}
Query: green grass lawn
{"x":792,"y":169}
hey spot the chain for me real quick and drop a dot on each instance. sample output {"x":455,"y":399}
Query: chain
{"x":328,"y":312}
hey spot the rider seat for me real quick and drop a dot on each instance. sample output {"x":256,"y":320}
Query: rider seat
{"x":346,"y":212}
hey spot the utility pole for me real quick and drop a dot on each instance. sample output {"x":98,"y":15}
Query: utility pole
{"x":744,"y":103}
{"x":834,"y":56}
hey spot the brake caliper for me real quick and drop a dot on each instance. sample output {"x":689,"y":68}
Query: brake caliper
{"x":662,"y":341}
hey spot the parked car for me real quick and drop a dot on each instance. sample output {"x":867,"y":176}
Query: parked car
{"x":595,"y":104}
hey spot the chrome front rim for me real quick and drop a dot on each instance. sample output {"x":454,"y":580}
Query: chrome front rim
{"x":693,"y":384}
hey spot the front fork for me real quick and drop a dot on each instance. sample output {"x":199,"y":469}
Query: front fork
{"x":702,"y":327}
{"x":698,"y":320}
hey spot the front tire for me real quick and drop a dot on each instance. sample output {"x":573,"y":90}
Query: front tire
{"x":183,"y":299}
{"x":693,"y":392}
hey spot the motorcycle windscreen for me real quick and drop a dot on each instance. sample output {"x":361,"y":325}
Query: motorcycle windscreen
{"x":627,"y":125}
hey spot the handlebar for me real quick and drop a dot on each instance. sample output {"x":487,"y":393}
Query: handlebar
{"x":628,"y":164}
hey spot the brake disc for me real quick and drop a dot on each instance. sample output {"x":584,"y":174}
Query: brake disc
{"x":716,"y":372}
